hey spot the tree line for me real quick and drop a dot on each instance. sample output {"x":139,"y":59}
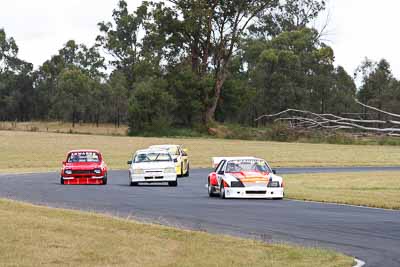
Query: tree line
{"x":192,"y":63}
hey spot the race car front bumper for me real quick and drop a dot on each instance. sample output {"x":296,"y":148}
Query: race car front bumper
{"x":83,"y":180}
{"x":153,"y":177}
{"x":254,"y":192}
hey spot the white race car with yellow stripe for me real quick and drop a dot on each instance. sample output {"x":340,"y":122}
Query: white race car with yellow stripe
{"x":180,"y":156}
{"x":244,"y":177}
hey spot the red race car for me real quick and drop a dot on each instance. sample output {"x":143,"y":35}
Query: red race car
{"x":84,"y":167}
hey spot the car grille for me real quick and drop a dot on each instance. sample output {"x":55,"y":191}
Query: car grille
{"x":153,"y":177}
{"x":255,"y":192}
{"x":82,"y":172}
{"x":237,"y":184}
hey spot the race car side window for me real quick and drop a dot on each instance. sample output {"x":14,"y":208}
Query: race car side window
{"x":221,"y":167}
{"x":220,"y":164}
{"x":269,"y":167}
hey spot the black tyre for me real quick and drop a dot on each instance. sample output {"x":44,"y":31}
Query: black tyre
{"x":61,"y":180}
{"x":105,"y":179}
{"x":222,"y":190}
{"x":174,"y":183}
{"x":181,"y":175}
{"x":187,"y":171}
{"x":211,"y":190}
{"x":133,"y":184}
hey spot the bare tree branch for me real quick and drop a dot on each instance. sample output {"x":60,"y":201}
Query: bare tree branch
{"x":378,"y":110}
{"x":309,"y":120}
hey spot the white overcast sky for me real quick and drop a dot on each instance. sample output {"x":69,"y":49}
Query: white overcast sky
{"x":357,"y":28}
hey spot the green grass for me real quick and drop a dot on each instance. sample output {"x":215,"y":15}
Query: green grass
{"x":38,"y":151}
{"x":39,"y":236}
{"x":372,"y":189}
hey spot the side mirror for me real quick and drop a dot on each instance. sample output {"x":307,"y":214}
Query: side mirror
{"x":221,"y":172}
{"x":64,"y":162}
{"x":129,"y":162}
{"x":175,"y":160}
{"x":274,"y":171}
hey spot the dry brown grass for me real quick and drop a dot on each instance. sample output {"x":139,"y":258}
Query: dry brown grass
{"x":373,"y":189}
{"x":38,"y":151}
{"x":62,"y":127}
{"x":39,"y":236}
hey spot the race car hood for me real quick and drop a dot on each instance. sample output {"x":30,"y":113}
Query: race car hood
{"x":251,"y":177}
{"x":154,"y":165}
{"x":82,"y":165}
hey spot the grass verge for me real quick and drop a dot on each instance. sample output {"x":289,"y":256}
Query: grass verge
{"x":372,"y":189}
{"x":40,"y":236}
{"x":38,"y":151}
{"x":275,"y":132}
{"x":62,"y":127}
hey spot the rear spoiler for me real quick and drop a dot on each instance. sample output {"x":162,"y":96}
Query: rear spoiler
{"x":216,"y":161}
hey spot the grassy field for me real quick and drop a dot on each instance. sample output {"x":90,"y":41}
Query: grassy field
{"x":62,"y":127}
{"x":375,"y":189}
{"x":38,"y":151}
{"x":39,"y":236}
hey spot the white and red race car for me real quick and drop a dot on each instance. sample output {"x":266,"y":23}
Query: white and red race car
{"x":244,"y":177}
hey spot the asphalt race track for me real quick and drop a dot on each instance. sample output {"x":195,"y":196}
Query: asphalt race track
{"x":372,"y":235}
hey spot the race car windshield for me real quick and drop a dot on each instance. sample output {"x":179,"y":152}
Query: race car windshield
{"x":83,"y":157}
{"x":247,"y":166}
{"x":149,"y":157}
{"x":173,"y":150}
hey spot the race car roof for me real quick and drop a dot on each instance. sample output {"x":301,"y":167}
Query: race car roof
{"x":163,"y":146}
{"x":151,"y":150}
{"x":84,"y":150}
{"x":217,"y":160}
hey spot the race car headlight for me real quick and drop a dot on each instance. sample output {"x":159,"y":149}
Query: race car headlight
{"x":169,"y":170}
{"x":273,"y":184}
{"x":138,"y":171}
{"x":97,"y":171}
{"x":68,"y":172}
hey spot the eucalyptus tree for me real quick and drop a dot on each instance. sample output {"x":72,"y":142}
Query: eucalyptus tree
{"x":378,"y":86}
{"x":16,"y":91}
{"x":72,"y":91}
{"x":121,"y":38}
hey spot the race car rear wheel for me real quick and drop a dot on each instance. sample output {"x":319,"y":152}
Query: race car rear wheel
{"x":222,"y":191}
{"x":61,"y":180}
{"x":174,"y":183}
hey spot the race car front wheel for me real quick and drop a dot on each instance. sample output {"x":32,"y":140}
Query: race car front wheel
{"x":222,"y":191}
{"x":181,"y":175}
{"x":105,"y":179}
{"x":61,"y":180}
{"x":187,"y":171}
{"x":211,"y":190}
